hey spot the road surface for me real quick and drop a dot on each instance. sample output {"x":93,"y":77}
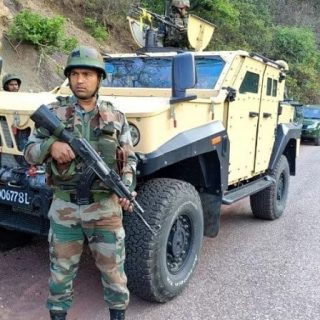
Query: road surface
{"x":253,"y":270}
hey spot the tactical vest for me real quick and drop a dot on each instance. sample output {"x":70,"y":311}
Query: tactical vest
{"x":102,"y":135}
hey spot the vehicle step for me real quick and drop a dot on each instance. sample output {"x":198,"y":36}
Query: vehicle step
{"x":247,"y":190}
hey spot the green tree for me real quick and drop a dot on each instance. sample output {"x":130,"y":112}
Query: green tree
{"x":255,"y":26}
{"x":298,"y":46}
{"x":295,"y":44}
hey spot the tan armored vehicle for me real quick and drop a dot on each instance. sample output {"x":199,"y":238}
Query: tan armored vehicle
{"x":209,"y":128}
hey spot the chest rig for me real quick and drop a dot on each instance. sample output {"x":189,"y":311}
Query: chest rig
{"x":102,"y":134}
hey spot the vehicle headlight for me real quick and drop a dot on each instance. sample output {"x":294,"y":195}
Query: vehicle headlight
{"x":135,"y":134}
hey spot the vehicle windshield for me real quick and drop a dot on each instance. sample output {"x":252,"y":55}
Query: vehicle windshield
{"x":154,"y":72}
{"x":311,"y":113}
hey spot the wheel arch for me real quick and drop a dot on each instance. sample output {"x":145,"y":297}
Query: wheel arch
{"x":191,"y":156}
{"x":286,"y":144}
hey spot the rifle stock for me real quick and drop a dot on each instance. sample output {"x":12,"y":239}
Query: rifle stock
{"x":43,"y":117}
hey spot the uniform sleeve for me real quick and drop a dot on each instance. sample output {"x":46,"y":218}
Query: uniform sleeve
{"x":38,"y":146}
{"x":129,"y":169}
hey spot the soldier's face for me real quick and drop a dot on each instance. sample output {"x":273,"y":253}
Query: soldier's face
{"x":183,"y":11}
{"x":84,"y":82}
{"x":13,"y":86}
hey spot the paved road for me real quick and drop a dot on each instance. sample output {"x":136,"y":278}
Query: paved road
{"x":253,"y":270}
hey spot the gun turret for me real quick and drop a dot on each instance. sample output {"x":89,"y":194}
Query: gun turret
{"x":155,"y":32}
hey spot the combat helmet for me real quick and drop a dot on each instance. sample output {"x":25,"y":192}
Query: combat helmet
{"x":85,"y":57}
{"x":180,"y":3}
{"x":7,"y":78}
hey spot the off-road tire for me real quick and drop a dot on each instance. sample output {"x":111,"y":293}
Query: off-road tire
{"x":270,"y":203}
{"x":159,"y":266}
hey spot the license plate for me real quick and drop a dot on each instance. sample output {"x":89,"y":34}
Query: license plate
{"x":15,"y":196}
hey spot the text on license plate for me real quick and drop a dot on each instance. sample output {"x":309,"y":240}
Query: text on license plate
{"x":14,"y":196}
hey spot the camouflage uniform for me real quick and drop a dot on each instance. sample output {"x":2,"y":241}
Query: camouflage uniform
{"x":100,"y":221}
{"x":175,"y":37}
{"x":181,"y":21}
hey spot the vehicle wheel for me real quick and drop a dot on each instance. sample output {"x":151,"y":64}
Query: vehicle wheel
{"x":317,"y":141}
{"x":270,"y":203}
{"x":10,"y":239}
{"x":159,"y":266}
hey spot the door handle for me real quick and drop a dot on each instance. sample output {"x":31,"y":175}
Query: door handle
{"x":267,"y":115}
{"x":253,"y":114}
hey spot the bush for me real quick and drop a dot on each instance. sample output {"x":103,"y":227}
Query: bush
{"x":96,"y":30}
{"x":45,"y":33}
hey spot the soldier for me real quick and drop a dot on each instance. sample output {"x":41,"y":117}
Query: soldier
{"x":11,"y":82}
{"x":82,"y":207}
{"x":179,"y":9}
{"x":177,"y":37}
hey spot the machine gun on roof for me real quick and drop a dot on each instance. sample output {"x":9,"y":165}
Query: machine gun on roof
{"x":148,"y":17}
{"x":151,"y":31}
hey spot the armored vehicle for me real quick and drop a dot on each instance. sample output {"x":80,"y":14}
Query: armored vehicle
{"x":311,"y":123}
{"x":208,"y":128}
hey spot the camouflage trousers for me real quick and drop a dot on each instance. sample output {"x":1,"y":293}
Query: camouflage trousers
{"x":99,"y":222}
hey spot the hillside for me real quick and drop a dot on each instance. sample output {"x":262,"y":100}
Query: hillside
{"x":279,"y":29}
{"x":41,"y":73}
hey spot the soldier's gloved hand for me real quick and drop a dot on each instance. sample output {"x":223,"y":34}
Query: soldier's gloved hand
{"x":62,"y":152}
{"x":125,"y":203}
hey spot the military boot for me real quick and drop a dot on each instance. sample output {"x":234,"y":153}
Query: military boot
{"x":117,"y":314}
{"x":58,"y":315}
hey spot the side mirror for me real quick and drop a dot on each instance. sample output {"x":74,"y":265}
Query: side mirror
{"x":183,"y":77}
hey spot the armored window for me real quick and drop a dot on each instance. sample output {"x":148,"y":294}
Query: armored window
{"x":250,"y":83}
{"x":269,"y":86}
{"x":272,"y":87}
{"x":208,"y":71}
{"x":156,"y":72}
{"x":138,"y":72}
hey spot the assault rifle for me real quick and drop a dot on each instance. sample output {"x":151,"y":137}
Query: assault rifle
{"x":148,"y":15}
{"x":43,"y":117}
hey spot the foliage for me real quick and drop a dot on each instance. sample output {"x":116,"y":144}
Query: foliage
{"x":155,"y":6}
{"x":96,"y":30}
{"x":272,"y":28}
{"x":279,"y":29}
{"x":294,"y":44}
{"x":299,"y":47}
{"x":303,"y":83}
{"x":224,"y":15}
{"x":254,"y":30}
{"x":45,"y":33}
{"x":104,"y":11}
